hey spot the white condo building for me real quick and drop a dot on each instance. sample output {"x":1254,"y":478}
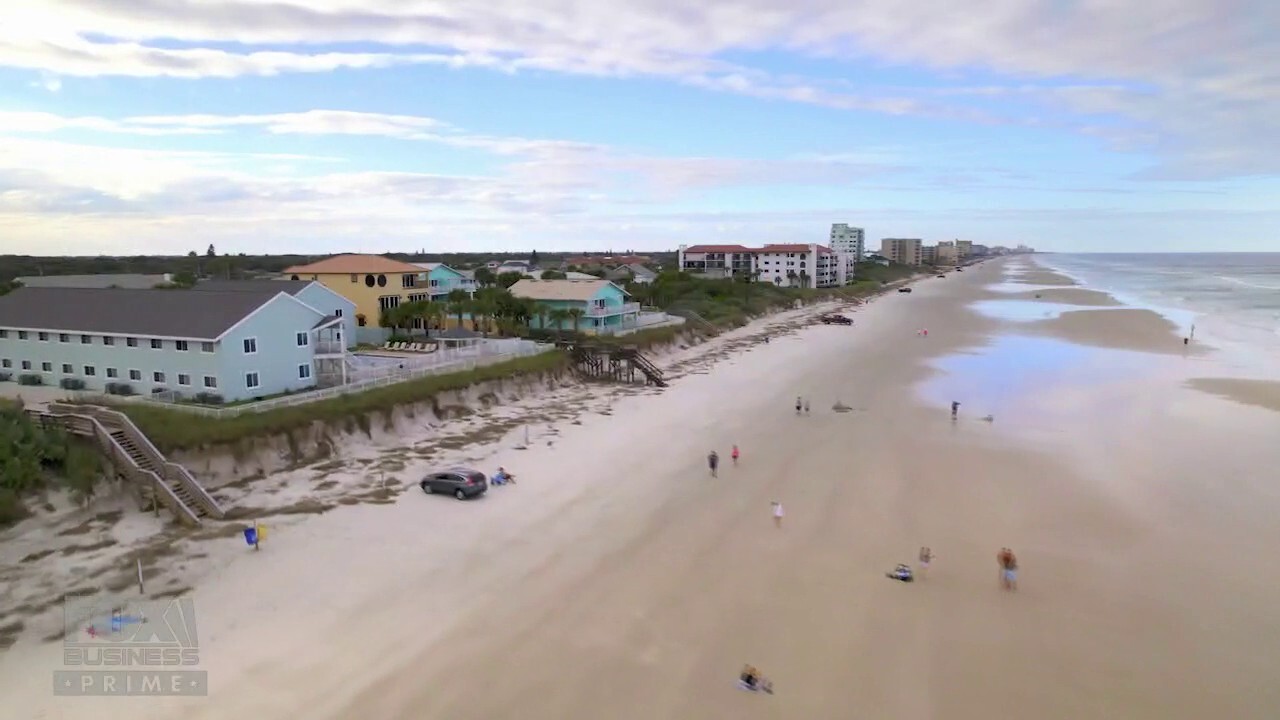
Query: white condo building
{"x":850,"y":244}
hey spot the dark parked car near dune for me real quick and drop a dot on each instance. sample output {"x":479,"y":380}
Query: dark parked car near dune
{"x":461,"y":483}
{"x":835,"y":319}
{"x":904,"y":289}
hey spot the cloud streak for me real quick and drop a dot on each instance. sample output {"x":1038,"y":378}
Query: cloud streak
{"x":1208,"y":61}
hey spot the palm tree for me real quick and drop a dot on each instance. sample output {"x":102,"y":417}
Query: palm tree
{"x":459,"y":308}
{"x":576,"y":315}
{"x":482,"y":308}
{"x":558,"y":316}
{"x":431,"y":313}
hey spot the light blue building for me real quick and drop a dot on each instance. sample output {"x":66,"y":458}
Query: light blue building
{"x":603,"y":306}
{"x":442,"y":280}
{"x":253,"y":340}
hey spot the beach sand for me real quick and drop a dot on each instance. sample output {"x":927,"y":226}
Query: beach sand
{"x":618,"y":580}
{"x":1124,"y":329}
{"x":1258,"y":393}
{"x":1036,"y":275}
{"x":1067,"y":296}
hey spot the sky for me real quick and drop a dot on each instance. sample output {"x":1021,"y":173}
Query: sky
{"x":326,"y":126}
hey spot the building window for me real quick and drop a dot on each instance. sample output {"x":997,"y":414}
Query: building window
{"x":355,"y":277}
{"x":157,"y":376}
{"x":6,"y":363}
{"x":4,"y":334}
{"x":337,"y":313}
{"x":42,"y":337}
{"x":386,"y":302}
{"x":44,"y":366}
{"x":64,"y":337}
{"x":108,"y":340}
{"x":304,"y":339}
{"x":135,"y":375}
{"x":157,"y":344}
{"x":408,"y":281}
{"x":250,"y":346}
{"x":85,"y":339}
{"x":66,"y":369}
{"x":369,"y":281}
{"x":304,"y":371}
{"x":131,"y":342}
{"x":251,"y":380}
{"x":184,"y":379}
{"x":210,"y":381}
{"x":180,"y":345}
{"x":111,"y":372}
{"x":90,"y":370}
{"x":382,"y":281}
{"x":360,"y":320}
{"x":22,"y":334}
{"x":26,"y":365}
{"x":206,"y":347}
{"x":420,"y":297}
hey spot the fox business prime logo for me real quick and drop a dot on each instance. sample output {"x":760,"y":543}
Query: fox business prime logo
{"x":130,"y":648}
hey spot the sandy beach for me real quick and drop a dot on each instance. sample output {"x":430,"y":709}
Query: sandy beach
{"x":619,"y":580}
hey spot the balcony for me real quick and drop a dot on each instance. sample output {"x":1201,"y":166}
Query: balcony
{"x":329,"y":347}
{"x":606,"y":310}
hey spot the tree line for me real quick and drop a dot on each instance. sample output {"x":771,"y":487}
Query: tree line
{"x":34,"y":458}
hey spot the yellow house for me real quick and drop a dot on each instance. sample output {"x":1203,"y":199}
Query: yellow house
{"x":373,"y":282}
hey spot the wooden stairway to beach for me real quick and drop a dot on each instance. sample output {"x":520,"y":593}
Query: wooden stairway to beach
{"x":154,"y":479}
{"x":619,"y":364}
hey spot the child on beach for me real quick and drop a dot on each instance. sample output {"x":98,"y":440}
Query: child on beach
{"x":1008,"y":569}
{"x":713,"y":461}
{"x":806,"y":406}
{"x":926,"y":556}
{"x":734,"y":455}
{"x":777,"y":514}
{"x":955,"y":409}
{"x":799,"y":404}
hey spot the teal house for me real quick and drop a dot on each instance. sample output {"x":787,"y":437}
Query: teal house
{"x":602,"y":307}
{"x":442,"y":280}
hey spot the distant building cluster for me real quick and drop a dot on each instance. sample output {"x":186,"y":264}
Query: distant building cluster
{"x":913,"y":251}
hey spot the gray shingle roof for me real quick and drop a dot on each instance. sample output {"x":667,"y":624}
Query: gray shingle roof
{"x":269,"y":287}
{"x":114,"y":311}
{"x":135,"y":281}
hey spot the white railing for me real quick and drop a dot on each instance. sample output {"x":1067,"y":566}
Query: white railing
{"x":330,"y":347}
{"x":598,"y":310}
{"x":393,"y":376}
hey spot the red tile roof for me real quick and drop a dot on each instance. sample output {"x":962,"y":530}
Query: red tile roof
{"x":718,"y":249}
{"x":345,"y":264}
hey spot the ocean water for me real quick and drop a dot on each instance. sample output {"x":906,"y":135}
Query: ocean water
{"x":1233,"y":299}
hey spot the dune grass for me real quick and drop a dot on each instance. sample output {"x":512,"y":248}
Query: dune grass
{"x":171,"y":429}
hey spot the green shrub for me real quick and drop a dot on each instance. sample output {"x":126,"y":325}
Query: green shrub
{"x":117,"y":388}
{"x":171,"y":429}
{"x":6,"y":377}
{"x":71,"y":384}
{"x":208,"y":398}
{"x":31,"y":454}
{"x":30,"y":379}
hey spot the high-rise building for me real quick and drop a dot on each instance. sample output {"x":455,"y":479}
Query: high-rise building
{"x":907,"y":251}
{"x":964,"y":248}
{"x":848,"y":240}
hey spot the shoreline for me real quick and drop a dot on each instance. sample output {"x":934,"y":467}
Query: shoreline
{"x":623,"y":583}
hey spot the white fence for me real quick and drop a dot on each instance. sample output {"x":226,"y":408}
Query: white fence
{"x":394,"y":375}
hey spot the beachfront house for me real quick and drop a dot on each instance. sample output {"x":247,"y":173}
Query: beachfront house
{"x":377,"y":284}
{"x":795,"y":265}
{"x":717,"y":261}
{"x":602,"y":307}
{"x":442,"y":280}
{"x":632,"y":273}
{"x":230,"y":344}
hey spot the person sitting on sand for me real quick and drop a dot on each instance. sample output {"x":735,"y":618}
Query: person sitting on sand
{"x":1008,"y":569}
{"x":503,"y":477}
{"x":750,"y":677}
{"x":926,"y":557}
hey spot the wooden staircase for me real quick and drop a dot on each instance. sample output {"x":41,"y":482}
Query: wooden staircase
{"x":618,"y":364}
{"x":155,"y":480}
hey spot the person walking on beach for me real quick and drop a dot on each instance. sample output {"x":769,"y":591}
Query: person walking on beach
{"x":799,"y":404}
{"x":713,"y":461}
{"x":734,"y":455}
{"x":926,"y":556}
{"x":1008,"y":569}
{"x":806,"y":406}
{"x":955,"y":409}
{"x":777,"y":514}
